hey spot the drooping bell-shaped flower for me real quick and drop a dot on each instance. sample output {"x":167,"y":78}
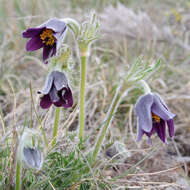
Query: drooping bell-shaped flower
{"x":48,"y":36}
{"x":56,"y":91}
{"x":153,"y":114}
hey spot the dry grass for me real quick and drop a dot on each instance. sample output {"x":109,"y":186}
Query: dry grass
{"x":160,"y":30}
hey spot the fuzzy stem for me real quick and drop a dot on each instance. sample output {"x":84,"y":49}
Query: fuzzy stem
{"x":82,"y":96}
{"x":108,"y":120}
{"x":39,"y":121}
{"x":145,"y":86}
{"x":18,"y":176}
{"x":55,"y":128}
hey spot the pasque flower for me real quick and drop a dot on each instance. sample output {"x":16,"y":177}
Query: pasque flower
{"x":153,"y":114}
{"x":56,"y":91}
{"x":30,"y":149}
{"x":48,"y":36}
{"x":32,"y":157}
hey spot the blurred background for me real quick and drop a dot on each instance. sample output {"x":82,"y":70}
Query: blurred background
{"x":150,"y":29}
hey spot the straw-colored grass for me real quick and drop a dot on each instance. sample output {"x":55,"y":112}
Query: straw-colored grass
{"x":150,"y":29}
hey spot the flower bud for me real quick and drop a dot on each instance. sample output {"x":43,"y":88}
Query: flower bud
{"x":118,"y":149}
{"x":30,"y":149}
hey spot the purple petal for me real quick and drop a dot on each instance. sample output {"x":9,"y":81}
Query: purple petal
{"x":45,"y":102}
{"x":59,"y":103}
{"x":48,"y":51}
{"x":143,"y":111}
{"x":34,"y":44}
{"x":60,"y":80}
{"x":140,"y":132}
{"x":54,"y":95}
{"x":60,"y":36}
{"x":159,"y":109}
{"x":149,"y":134}
{"x":67,"y":100}
{"x":54,"y":50}
{"x":161,"y":100}
{"x":31,"y":32}
{"x":48,"y":85}
{"x":170,"y":124}
{"x":67,"y":96}
{"x":160,"y":128}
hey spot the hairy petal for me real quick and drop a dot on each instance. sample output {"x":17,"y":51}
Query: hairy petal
{"x":161,"y":100}
{"x":170,"y":124}
{"x":60,"y":80}
{"x":55,"y":24}
{"x":48,"y":85}
{"x":140,"y":132}
{"x":54,"y":95}
{"x":60,"y":36}
{"x":159,"y":109}
{"x":143,"y":111}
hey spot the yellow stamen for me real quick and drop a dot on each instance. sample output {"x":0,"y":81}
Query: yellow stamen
{"x":155,"y":118}
{"x":47,"y":37}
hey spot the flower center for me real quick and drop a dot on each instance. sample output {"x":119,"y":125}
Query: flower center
{"x":47,"y":37}
{"x":155,"y":118}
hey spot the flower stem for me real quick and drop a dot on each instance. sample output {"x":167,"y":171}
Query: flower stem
{"x":18,"y":176}
{"x":145,"y":86}
{"x":82,"y":96}
{"x":39,"y":121}
{"x":55,"y":128}
{"x":113,"y":107}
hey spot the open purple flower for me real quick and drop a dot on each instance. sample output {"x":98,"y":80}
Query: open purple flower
{"x":48,"y":36}
{"x":56,"y":91}
{"x":153,"y":114}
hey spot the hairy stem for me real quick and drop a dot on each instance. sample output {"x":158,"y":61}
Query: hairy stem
{"x":82,"y":96}
{"x":39,"y":121}
{"x":18,"y":176}
{"x":55,"y":128}
{"x":145,"y":86}
{"x":113,"y":107}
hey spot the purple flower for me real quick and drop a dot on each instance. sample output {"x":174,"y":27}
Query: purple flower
{"x":56,"y":91}
{"x":48,"y":36}
{"x":153,"y":114}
